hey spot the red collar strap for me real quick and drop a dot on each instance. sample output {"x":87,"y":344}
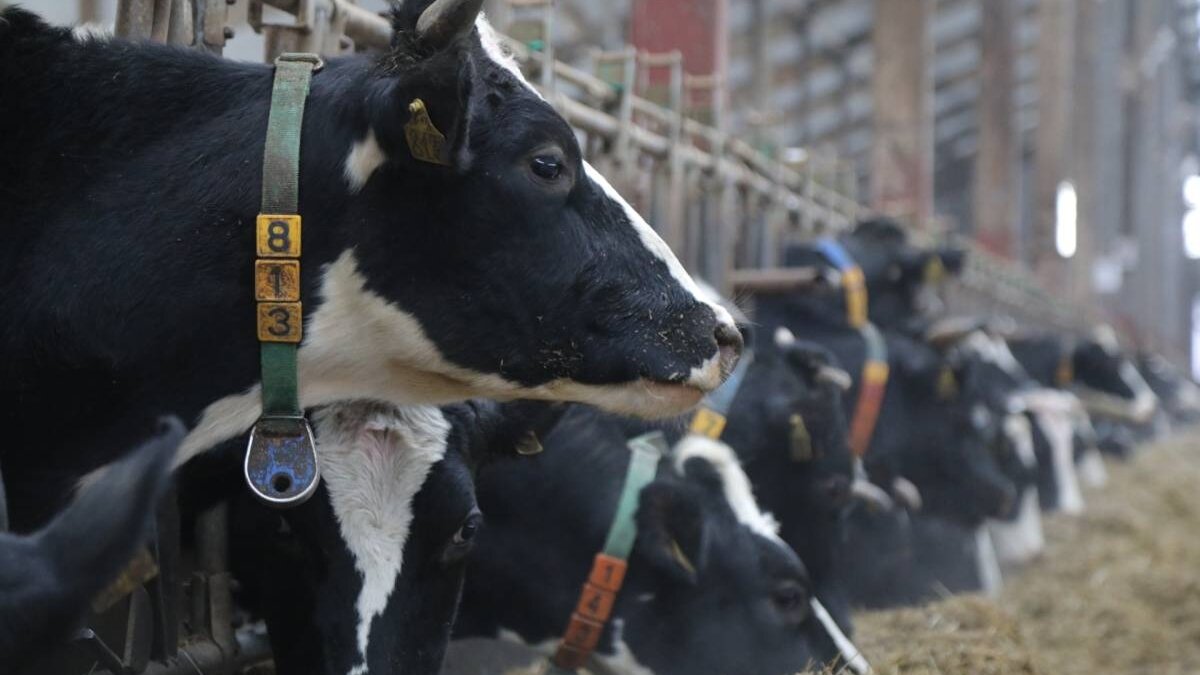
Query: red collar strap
{"x":871,"y":388}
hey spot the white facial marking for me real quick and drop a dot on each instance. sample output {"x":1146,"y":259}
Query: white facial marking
{"x":492,"y":46}
{"x":989,"y":567}
{"x":1060,"y":433}
{"x":1145,"y":402}
{"x":738,"y":491}
{"x":852,"y":658}
{"x":365,"y":156}
{"x":1020,"y":436}
{"x":1021,"y":540}
{"x":654,"y":243}
{"x":374,"y":460}
{"x":1092,"y":471}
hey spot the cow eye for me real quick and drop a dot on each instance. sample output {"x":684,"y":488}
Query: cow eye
{"x":460,"y":543}
{"x":546,"y":167}
{"x":791,"y":601}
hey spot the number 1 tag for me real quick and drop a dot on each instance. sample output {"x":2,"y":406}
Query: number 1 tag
{"x":281,"y":461}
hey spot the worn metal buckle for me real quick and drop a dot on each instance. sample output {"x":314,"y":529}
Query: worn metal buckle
{"x":302,"y":57}
{"x":281,"y":461}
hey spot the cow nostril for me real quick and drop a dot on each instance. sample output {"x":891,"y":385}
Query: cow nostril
{"x":729,"y":337}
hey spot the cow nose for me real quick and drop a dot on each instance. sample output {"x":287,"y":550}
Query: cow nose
{"x":730,"y":341}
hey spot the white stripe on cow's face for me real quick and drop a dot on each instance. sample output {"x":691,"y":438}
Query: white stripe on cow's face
{"x":852,"y":658}
{"x":1021,"y":540}
{"x":736,"y":485}
{"x":649,"y":238}
{"x":1060,"y":433}
{"x":365,"y":156}
{"x":374,"y":460}
{"x":987,"y":563}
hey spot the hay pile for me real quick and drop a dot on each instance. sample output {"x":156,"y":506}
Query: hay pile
{"x":1117,"y":591}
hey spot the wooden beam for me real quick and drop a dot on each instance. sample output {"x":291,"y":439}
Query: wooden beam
{"x":902,"y":91}
{"x":997,"y":164}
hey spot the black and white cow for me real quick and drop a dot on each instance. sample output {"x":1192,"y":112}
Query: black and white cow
{"x":48,"y":578}
{"x":365,"y":577}
{"x":131,"y":176}
{"x":1094,"y":368}
{"x":901,"y":277}
{"x":710,"y":587}
{"x":1180,"y":396}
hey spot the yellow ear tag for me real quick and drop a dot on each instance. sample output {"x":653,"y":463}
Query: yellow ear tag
{"x":947,"y":385}
{"x":935,"y":271}
{"x":424,"y":140}
{"x":802,"y":449}
{"x":681,"y":558}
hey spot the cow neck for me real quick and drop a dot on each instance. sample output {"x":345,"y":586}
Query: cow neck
{"x":599,"y":594}
{"x":874,"y":377}
{"x":713,"y":412}
{"x":281,"y":460}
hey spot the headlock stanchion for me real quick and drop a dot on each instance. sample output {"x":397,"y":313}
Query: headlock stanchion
{"x":599,"y":593}
{"x":281,"y":459}
{"x":874,"y":378}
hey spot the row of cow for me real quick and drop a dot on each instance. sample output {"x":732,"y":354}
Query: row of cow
{"x":750,"y":549}
{"x":482,"y":329}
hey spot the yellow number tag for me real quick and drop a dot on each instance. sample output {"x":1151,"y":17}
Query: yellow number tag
{"x":278,"y":236}
{"x":279,"y":321}
{"x":708,"y":423}
{"x":277,"y":280}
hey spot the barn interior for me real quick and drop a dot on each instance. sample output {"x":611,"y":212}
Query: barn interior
{"x":1055,"y":142}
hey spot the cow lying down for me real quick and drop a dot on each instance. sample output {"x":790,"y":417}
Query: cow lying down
{"x":710,"y":588}
{"x":47,"y":578}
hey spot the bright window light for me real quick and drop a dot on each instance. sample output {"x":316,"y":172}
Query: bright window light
{"x":1191,"y":191}
{"x":1066,"y":219}
{"x":1191,"y":234}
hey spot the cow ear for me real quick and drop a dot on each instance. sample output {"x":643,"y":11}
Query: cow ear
{"x":494,"y":430}
{"x":672,"y":537}
{"x":420,"y":109}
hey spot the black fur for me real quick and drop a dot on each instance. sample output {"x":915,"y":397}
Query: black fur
{"x":130,"y":177}
{"x":47,"y":578}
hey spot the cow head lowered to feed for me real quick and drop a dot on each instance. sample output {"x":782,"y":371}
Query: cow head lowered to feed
{"x":455,"y":243}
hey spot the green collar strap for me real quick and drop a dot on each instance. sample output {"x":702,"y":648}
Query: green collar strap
{"x":281,"y":459}
{"x":599,"y":593}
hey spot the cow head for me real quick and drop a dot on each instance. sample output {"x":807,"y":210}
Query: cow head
{"x":728,"y":595}
{"x":901,"y":276}
{"x":487,"y":258}
{"x":951,"y":454}
{"x":366,"y":576}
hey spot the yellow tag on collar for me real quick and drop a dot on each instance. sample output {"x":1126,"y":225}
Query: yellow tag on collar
{"x":1064,"y":374}
{"x":425,"y":142}
{"x":856,"y":296}
{"x":708,"y":422}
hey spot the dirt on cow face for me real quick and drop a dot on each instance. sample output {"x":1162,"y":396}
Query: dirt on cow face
{"x":1116,"y":591}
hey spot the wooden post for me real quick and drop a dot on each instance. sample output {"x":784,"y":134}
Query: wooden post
{"x":902,"y":92}
{"x":997,"y":164}
{"x":1052,"y":147}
